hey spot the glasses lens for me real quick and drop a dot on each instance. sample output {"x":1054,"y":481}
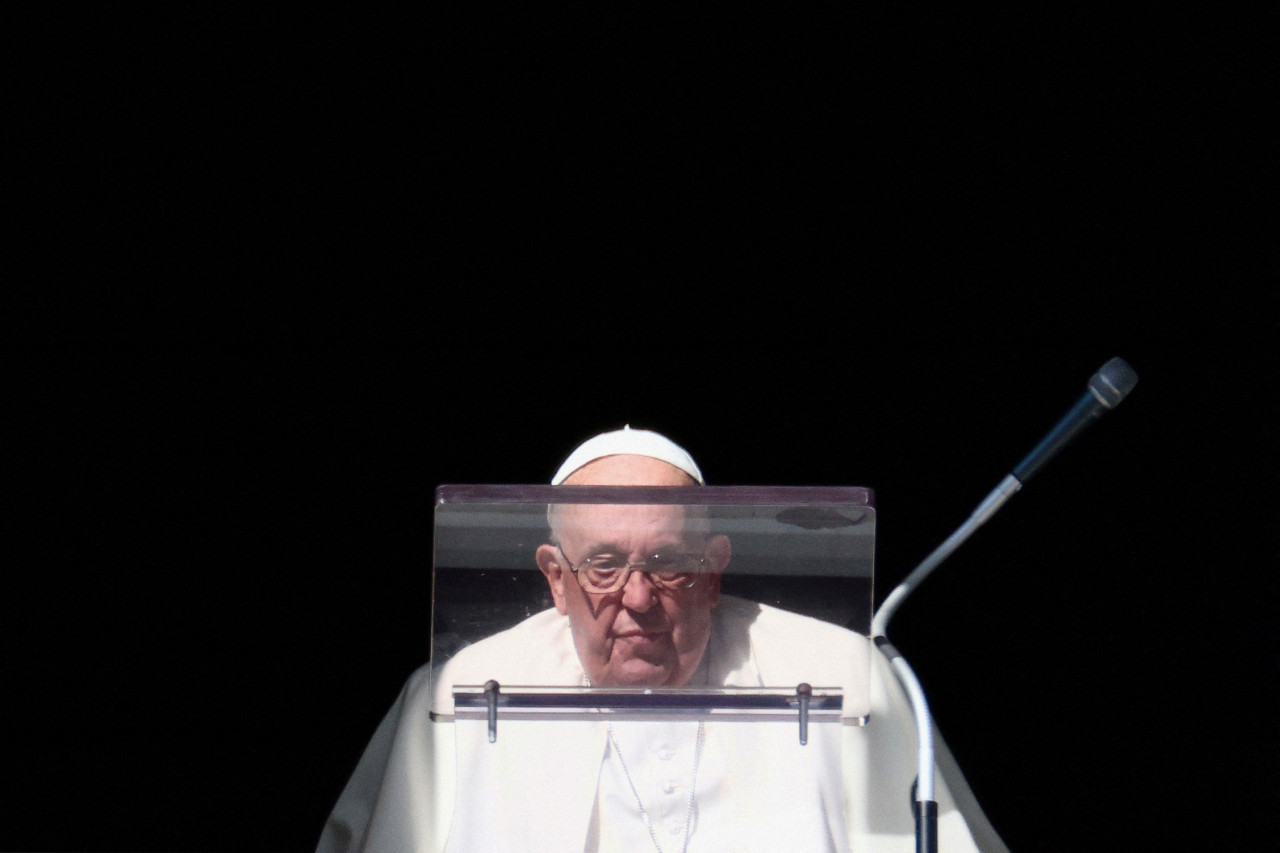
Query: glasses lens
{"x":669,"y":570}
{"x":603,"y":580}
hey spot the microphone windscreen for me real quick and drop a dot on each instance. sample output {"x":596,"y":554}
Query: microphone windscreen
{"x":1112,"y":382}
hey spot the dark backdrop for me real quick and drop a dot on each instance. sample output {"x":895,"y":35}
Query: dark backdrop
{"x":285,"y":272}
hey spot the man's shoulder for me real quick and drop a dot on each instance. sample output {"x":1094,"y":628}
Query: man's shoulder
{"x":775,"y":647}
{"x":538,"y":650}
{"x":765,"y":621}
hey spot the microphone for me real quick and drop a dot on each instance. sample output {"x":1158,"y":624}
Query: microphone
{"x":1106,"y":389}
{"x":1113,"y":381}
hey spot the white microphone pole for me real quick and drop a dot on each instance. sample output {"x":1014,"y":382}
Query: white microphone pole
{"x":1106,"y":389}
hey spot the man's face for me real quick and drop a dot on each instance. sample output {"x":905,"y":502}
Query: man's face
{"x":641,"y":635}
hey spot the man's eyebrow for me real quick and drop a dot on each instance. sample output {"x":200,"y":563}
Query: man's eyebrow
{"x":596,"y":548}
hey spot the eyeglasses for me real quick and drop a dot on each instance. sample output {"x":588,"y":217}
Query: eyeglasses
{"x":606,"y":573}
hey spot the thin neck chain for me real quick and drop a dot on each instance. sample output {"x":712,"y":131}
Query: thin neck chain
{"x":644,"y":813}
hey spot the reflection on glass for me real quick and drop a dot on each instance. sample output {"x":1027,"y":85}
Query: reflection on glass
{"x":670,"y":588}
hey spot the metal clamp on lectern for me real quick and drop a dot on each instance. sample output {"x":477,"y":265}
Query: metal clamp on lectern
{"x":804,"y":704}
{"x":491,"y":689}
{"x":804,"y":695}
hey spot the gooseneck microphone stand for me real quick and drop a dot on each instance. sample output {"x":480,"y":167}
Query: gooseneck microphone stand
{"x":1106,"y":389}
{"x":926,"y":807}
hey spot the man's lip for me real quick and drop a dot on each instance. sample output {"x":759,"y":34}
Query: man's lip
{"x":640,"y":635}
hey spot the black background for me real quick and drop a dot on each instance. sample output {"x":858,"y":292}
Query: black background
{"x":284,"y":270}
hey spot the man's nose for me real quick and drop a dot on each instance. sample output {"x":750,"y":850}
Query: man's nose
{"x":638,"y":593}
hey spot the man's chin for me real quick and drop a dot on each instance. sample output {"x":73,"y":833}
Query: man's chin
{"x":636,"y":672}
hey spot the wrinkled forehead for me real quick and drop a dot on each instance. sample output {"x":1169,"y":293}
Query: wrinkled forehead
{"x":627,"y":525}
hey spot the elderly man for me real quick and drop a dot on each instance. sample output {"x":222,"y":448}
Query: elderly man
{"x":637,"y":603}
{"x":635,"y":630}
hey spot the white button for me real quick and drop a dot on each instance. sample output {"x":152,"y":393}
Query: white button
{"x":666,"y":754}
{"x":669,"y":787}
{"x":675,"y":829}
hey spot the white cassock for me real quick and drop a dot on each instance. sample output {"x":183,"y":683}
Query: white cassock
{"x":431,"y":785}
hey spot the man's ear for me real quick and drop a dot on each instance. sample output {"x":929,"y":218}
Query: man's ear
{"x":548,"y":557}
{"x":719,"y":551}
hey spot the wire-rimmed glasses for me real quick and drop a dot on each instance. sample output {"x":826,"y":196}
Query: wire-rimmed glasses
{"x":606,"y":573}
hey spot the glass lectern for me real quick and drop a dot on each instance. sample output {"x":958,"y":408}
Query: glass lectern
{"x":646,"y":667}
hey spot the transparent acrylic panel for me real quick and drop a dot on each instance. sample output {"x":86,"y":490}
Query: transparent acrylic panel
{"x":731,"y":600}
